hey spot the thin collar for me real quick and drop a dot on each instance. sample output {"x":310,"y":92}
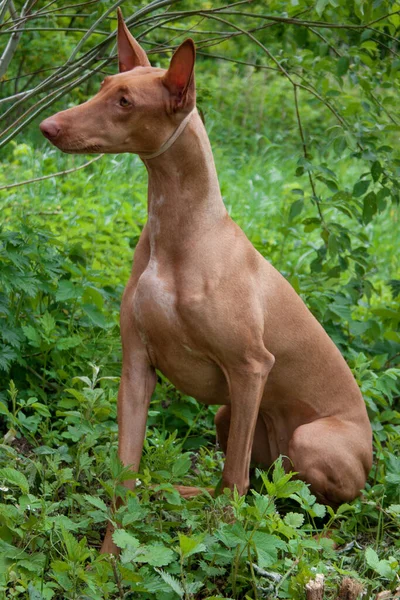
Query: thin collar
{"x":171,"y":140}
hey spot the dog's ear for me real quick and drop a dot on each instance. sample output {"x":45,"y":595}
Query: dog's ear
{"x":130,"y":53}
{"x":179,"y":79}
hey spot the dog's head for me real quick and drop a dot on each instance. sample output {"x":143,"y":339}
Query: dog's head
{"x":135,"y":110}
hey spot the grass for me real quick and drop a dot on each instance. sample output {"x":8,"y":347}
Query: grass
{"x":66,"y":248}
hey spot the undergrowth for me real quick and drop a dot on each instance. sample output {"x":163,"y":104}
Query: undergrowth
{"x":65,"y":254}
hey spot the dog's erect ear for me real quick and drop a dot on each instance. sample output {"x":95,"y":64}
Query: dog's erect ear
{"x":179,"y":79}
{"x":130,"y":53}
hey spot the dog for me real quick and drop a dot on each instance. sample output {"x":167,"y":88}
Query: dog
{"x":204,"y":307}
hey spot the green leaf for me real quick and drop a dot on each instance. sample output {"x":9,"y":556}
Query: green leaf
{"x":342,"y":65}
{"x":263,"y":504}
{"x":320,"y":6}
{"x":14,"y":477}
{"x":318,"y":510}
{"x":155,"y":555}
{"x":294,"y":519}
{"x":77,"y":551}
{"x":95,"y":316}
{"x":191,"y":545}
{"x":369,"y":207}
{"x":360,"y":187}
{"x":33,"y":335}
{"x":48,"y":323}
{"x":69,"y":342}
{"x":394,"y":509}
{"x":123,"y":539}
{"x":173,"y":583}
{"x":92,"y":296}
{"x":267,"y":547}
{"x":4,"y":410}
{"x":376,"y":170}
{"x":371,"y":558}
{"x":231,"y":535}
{"x":7,"y":356}
{"x":41,"y":409}
{"x":67,"y":291}
{"x":182,"y":465}
{"x":34,"y":594}
{"x":97,"y":502}
{"x":332,"y":245}
{"x":296,"y":208}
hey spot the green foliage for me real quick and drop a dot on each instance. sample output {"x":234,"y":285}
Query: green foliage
{"x":323,"y":209}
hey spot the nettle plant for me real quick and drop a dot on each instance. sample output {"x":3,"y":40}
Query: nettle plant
{"x":51,"y":303}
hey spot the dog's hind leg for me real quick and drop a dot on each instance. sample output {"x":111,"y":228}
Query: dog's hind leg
{"x":333,"y":456}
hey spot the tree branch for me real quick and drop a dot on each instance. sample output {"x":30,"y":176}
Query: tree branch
{"x":59,"y":174}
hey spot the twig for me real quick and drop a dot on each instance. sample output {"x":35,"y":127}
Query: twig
{"x":117,"y":578}
{"x":323,"y":24}
{"x":315,"y":588}
{"x":49,"y":384}
{"x":59,"y":174}
{"x":350,"y":589}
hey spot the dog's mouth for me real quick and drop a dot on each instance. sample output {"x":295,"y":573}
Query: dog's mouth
{"x":93,"y":149}
{"x":78,"y":148}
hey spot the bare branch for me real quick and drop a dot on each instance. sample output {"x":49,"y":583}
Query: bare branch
{"x":13,"y":42}
{"x":59,"y":174}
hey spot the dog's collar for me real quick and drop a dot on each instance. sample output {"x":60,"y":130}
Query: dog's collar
{"x":171,"y":140}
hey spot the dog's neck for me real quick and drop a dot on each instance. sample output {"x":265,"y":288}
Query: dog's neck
{"x":184,"y":198}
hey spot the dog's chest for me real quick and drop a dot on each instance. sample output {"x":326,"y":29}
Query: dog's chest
{"x":154,"y":304}
{"x":164,"y":333}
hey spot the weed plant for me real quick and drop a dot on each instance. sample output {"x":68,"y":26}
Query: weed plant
{"x":65,"y":252}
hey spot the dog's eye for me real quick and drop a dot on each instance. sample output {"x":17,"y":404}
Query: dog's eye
{"x":124,"y":102}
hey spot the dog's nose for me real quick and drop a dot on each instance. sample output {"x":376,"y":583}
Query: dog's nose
{"x":50,"y":129}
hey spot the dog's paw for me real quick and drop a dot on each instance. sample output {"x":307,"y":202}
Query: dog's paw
{"x":188,"y":492}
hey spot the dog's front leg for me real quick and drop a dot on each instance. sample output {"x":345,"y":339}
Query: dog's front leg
{"x":246,"y":388}
{"x":138,"y":381}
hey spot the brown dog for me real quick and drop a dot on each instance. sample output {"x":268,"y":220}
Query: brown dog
{"x":204,"y":307}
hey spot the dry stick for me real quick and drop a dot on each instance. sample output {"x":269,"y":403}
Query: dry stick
{"x":66,"y":172}
{"x":41,"y":87}
{"x":210,"y":42}
{"x":3,"y":9}
{"x":388,"y":114}
{"x":81,"y":29}
{"x":86,"y":59}
{"x":50,"y":102}
{"x":117,"y":578}
{"x":239,"y":62}
{"x":144,"y":10}
{"x":315,"y":588}
{"x":64,"y":7}
{"x":30,"y":74}
{"x":323,"y":38}
{"x":39,"y":15}
{"x":217,"y":39}
{"x":380,"y":32}
{"x":295,"y":86}
{"x":396,"y":54}
{"x":31,"y":108}
{"x":173,"y":17}
{"x":323,"y":24}
{"x":82,"y":62}
{"x":14,"y":39}
{"x":350,"y":589}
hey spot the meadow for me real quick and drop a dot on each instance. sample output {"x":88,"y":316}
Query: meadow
{"x":66,"y":246}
